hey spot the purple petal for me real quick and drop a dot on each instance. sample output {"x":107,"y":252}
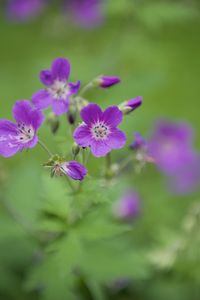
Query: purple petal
{"x":46,"y":77}
{"x":74,"y":169}
{"x":91,"y":113}
{"x":32,"y":143}
{"x":74,"y":87}
{"x":60,"y":69}
{"x":24,"y":112}
{"x":42,"y":99}
{"x":99,"y":148}
{"x":112,"y":116}
{"x":8,"y":132}
{"x":82,"y":136}
{"x":116,"y":139}
{"x":60,"y":106}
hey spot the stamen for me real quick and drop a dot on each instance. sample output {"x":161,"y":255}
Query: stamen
{"x":100,"y":131}
{"x":59,"y":90}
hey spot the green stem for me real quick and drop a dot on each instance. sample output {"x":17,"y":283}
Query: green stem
{"x":125,"y":163}
{"x":45,"y":148}
{"x":86,"y":88}
{"x":70,"y":184}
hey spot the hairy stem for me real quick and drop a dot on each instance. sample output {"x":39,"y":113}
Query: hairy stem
{"x":45,"y":148}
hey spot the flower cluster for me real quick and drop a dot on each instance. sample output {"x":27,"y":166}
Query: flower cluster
{"x":170,"y":147}
{"x":98,"y":131}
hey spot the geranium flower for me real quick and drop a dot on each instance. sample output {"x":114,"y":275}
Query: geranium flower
{"x":23,"y":10}
{"x":99,"y":130}
{"x":171,"y":145}
{"x":21,"y":135}
{"x":58,"y":89}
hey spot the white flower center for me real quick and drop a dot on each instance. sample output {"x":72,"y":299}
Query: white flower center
{"x":100,"y":131}
{"x":25,"y":133}
{"x":59,"y":90}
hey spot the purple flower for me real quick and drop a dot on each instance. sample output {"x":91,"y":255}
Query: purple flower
{"x":22,"y":135}
{"x":58,"y":89}
{"x":99,"y":130}
{"x":171,"y":145}
{"x":107,"y":81}
{"x":140,"y":146}
{"x":139,"y":142}
{"x":128,"y":207}
{"x":23,"y":10}
{"x":73,"y":169}
{"x":87,"y":13}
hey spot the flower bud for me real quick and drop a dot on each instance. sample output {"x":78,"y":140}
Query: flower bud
{"x":53,"y":121}
{"x":130,"y":105}
{"x":75,"y":149}
{"x":106,"y":81}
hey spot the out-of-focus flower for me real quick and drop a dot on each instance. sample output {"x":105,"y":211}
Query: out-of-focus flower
{"x":171,"y":145}
{"x":130,"y":105}
{"x":140,"y":146}
{"x":22,"y":135}
{"x":106,"y":81}
{"x":58,"y":89}
{"x":128,"y":207}
{"x":23,"y":10}
{"x":86,"y":13}
{"x":99,"y":130}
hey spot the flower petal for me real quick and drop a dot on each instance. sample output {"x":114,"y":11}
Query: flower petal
{"x":46,"y":77}
{"x":74,"y":87}
{"x":82,"y":136}
{"x":60,"y":69}
{"x":116,"y":139}
{"x":8,"y":132}
{"x":32,"y":143}
{"x":91,"y":113}
{"x":24,"y":112}
{"x":99,"y":148}
{"x":60,"y":106}
{"x":74,"y":169}
{"x":42,"y":99}
{"x":112,"y":116}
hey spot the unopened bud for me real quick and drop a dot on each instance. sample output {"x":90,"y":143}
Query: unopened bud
{"x":106,"y":81}
{"x":75,"y":149}
{"x":53,"y":121}
{"x":130,"y":105}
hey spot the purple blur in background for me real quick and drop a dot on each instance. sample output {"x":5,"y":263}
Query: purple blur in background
{"x":23,"y":10}
{"x":128,"y":207}
{"x":86,"y":13}
{"x":171,"y":146}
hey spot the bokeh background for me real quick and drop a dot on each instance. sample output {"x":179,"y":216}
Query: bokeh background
{"x":154,"y":47}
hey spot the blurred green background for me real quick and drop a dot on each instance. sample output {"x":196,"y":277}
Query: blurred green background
{"x":154,"y":47}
